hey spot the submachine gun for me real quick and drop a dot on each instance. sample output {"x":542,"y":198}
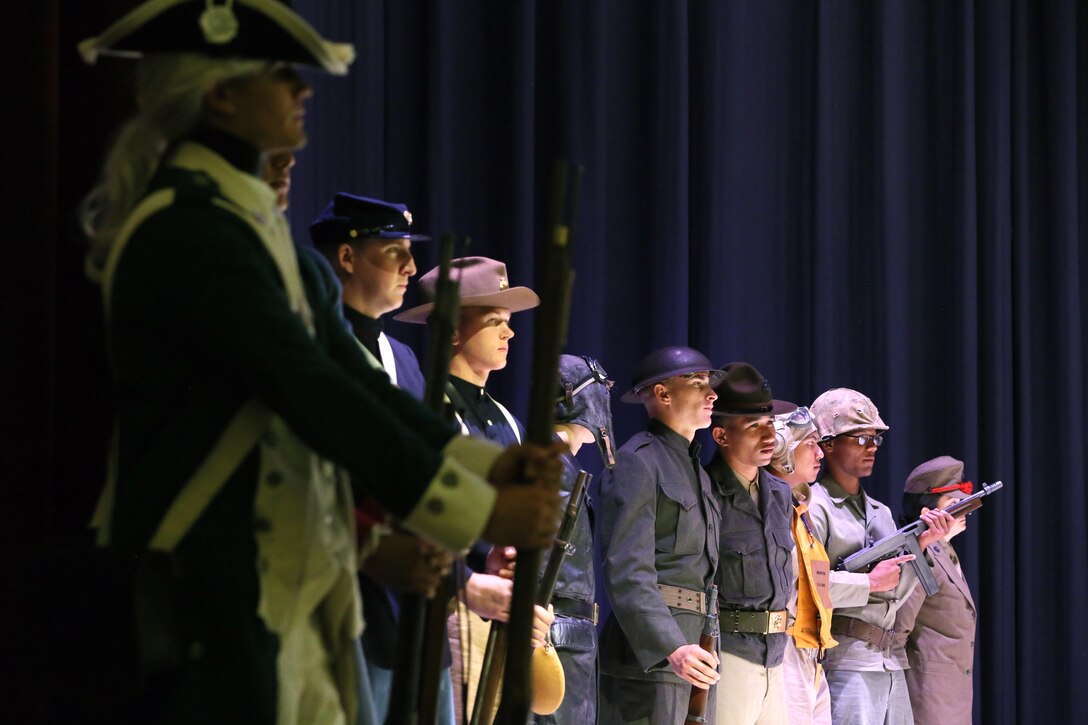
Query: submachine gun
{"x":905,"y":541}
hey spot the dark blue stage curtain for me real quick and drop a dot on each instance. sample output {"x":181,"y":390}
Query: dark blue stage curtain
{"x":887,"y":196}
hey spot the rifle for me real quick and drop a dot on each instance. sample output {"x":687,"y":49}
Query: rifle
{"x":905,"y":540}
{"x":708,"y":640}
{"x":414,"y":696}
{"x":548,"y":341}
{"x":491,"y":668}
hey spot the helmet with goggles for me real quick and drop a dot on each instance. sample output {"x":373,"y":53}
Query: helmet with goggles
{"x":789,"y":430}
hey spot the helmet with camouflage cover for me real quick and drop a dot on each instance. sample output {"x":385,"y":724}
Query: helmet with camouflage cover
{"x":842,"y":410}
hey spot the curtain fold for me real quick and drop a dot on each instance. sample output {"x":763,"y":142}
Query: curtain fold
{"x":888,"y":196}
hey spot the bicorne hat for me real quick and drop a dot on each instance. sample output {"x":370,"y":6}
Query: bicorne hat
{"x":255,"y":29}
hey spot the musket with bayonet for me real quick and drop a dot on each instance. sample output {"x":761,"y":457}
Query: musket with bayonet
{"x":416,"y":668}
{"x":905,"y":541}
{"x":548,"y":341}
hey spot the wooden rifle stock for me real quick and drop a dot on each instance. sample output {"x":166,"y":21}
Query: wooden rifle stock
{"x":491,"y":669}
{"x":548,"y":342}
{"x":418,"y":663}
{"x":708,"y":640}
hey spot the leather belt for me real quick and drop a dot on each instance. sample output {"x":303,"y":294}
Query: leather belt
{"x":851,"y":627}
{"x":575,"y":608}
{"x":680,"y":598}
{"x":741,"y":621}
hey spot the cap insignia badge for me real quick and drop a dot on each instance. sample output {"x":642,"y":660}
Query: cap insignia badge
{"x":408,"y":217}
{"x":503,"y":284}
{"x":218,"y":23}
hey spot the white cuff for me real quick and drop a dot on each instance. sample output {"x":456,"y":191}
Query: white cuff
{"x":478,"y":455}
{"x":456,"y":506}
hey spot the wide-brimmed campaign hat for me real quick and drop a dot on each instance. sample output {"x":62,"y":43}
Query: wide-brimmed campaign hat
{"x":665,"y":363}
{"x":743,"y":391}
{"x":483,"y":283}
{"x":348,"y":217}
{"x":253,"y":29}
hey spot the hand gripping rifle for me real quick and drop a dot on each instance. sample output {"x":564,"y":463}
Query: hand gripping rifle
{"x":708,"y":640}
{"x":548,"y":341}
{"x":491,"y":669}
{"x":905,"y":541}
{"x":418,"y":663}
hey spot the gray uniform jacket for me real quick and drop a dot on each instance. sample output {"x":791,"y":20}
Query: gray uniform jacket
{"x":754,"y":569}
{"x":845,"y":527}
{"x":940,"y":644}
{"x":658,"y":524}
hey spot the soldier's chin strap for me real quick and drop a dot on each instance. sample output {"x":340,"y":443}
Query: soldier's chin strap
{"x":600,"y":432}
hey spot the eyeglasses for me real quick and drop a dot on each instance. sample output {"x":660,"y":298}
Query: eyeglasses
{"x":877,"y":439}
{"x":967,"y":487}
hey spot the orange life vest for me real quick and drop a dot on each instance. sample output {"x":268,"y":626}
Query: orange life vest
{"x":812,"y":627}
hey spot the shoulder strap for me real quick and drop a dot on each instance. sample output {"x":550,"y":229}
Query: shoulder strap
{"x":458,"y":402}
{"x":509,"y":419}
{"x":389,"y":362}
{"x":238,"y":438}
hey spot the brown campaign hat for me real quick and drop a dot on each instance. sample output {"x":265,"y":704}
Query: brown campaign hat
{"x":743,"y":391}
{"x":935,"y":473}
{"x":483,"y":283}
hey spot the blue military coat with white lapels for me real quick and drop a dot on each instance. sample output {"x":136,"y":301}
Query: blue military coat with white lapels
{"x":380,"y":603}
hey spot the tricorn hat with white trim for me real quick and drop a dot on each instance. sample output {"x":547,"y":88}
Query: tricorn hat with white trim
{"x":256,"y":29}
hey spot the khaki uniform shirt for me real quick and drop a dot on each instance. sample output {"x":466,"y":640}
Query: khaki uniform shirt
{"x":844,"y":526}
{"x":939,"y":637}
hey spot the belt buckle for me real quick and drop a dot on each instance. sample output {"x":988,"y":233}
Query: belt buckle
{"x":776,"y":622}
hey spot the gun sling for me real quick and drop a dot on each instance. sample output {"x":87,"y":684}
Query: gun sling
{"x":851,"y":627}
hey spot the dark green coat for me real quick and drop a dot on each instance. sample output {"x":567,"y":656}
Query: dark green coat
{"x":199,"y":324}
